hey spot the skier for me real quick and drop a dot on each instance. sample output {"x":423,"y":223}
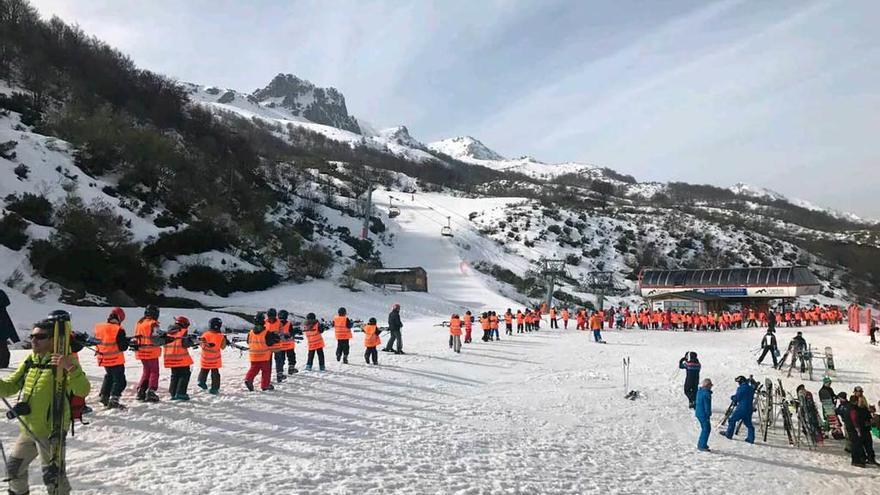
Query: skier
{"x":148,"y":350}
{"x":771,"y":321}
{"x":520,"y":321}
{"x":744,"y":399}
{"x":273,"y":325}
{"x":7,"y":331}
{"x":455,"y":333}
{"x":112,"y":343}
{"x":33,"y":381}
{"x":691,"y":364}
{"x":796,"y":348}
{"x":768,"y":343}
{"x":486,"y":327}
{"x":508,"y":322}
{"x":565,"y":316}
{"x":596,"y":327}
{"x":342,"y":331}
{"x":872,"y":332}
{"x":312,"y":331}
{"x":468,"y":326}
{"x":704,"y":412}
{"x":394,"y":327}
{"x":177,"y":358}
{"x":260,"y":342}
{"x":287,"y":347}
{"x":553,"y":322}
{"x":493,"y":325}
{"x":212,"y":343}
{"x":371,"y":342}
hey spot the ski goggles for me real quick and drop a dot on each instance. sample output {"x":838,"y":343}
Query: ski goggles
{"x":38,"y":336}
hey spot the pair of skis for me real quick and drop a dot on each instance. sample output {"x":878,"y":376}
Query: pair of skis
{"x":630,"y":394}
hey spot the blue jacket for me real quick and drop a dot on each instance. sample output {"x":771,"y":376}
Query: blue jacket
{"x":744,"y":398}
{"x":704,"y":403}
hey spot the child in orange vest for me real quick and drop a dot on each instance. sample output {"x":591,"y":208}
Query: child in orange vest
{"x":112,"y":342}
{"x":468,"y":326}
{"x":177,"y":358}
{"x":455,"y":333}
{"x":342,"y":331}
{"x":312,"y":331}
{"x":372,"y":342}
{"x":259,"y":343}
{"x":212,"y":343}
{"x":148,"y":350}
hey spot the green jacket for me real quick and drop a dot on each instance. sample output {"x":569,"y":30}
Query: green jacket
{"x":34,"y":379}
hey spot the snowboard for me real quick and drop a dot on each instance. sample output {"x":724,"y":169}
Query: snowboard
{"x":829,"y":362}
{"x":834,"y":425}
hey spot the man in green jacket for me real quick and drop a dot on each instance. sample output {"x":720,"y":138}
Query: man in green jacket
{"x":33,"y":383}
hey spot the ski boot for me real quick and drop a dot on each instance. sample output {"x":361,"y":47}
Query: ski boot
{"x":345,"y":360}
{"x":113,"y":403}
{"x":323,"y":369}
{"x":270,"y":387}
{"x":203,"y":385}
{"x":249,"y":385}
{"x":152,"y":396}
{"x":182,"y":397}
{"x":291,"y":370}
{"x":214,"y":391}
{"x":308,"y":367}
{"x":141,"y":394}
{"x":280,"y":377}
{"x":338,"y":357}
{"x":104,"y":400}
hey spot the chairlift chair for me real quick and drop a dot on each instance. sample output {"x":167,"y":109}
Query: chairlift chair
{"x":447,"y":230}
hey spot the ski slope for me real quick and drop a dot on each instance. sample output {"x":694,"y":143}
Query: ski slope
{"x":535,"y":413}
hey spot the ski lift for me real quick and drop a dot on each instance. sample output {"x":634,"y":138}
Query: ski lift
{"x":447,"y":230}
{"x":393,"y":211}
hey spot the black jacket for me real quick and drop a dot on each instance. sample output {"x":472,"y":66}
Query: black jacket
{"x":7,"y":329}
{"x":771,"y":342}
{"x":394,"y":320}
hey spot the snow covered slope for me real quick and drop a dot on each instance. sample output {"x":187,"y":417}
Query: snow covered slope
{"x":759,"y":192}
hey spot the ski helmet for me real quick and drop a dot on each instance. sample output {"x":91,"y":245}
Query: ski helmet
{"x":311,"y":316}
{"x":215,"y":323}
{"x":826,"y":379}
{"x":341,"y":312}
{"x":181,"y":321}
{"x":740,"y":379}
{"x":283,"y":314}
{"x":117,"y":314}
{"x":372,"y":321}
{"x":271,"y":313}
{"x":152,"y":311}
{"x":59,"y":314}
{"x":259,"y":318}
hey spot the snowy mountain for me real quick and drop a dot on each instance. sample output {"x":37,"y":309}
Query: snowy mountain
{"x":303,"y":99}
{"x":743,"y":189}
{"x":465,"y":148}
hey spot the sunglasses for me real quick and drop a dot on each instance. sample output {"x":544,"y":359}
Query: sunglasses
{"x":39,"y":336}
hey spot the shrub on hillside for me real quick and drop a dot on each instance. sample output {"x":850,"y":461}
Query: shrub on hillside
{"x":32,"y":207}
{"x":197,"y":238}
{"x":13,"y":231}
{"x":314,"y":261}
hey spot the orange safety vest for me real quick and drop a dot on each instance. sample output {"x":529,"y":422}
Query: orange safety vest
{"x":287,"y":345}
{"x":212,"y":345}
{"x":595,"y":322}
{"x":275,"y":327}
{"x":552,"y":313}
{"x":508,"y":318}
{"x":314,"y":338}
{"x":143,"y":335}
{"x":484,"y":323}
{"x":565,"y":314}
{"x":258,"y":351}
{"x":340,"y":328}
{"x":176,"y":355}
{"x":468,"y":322}
{"x":455,"y":326}
{"x":519,"y":318}
{"x":371,"y":339}
{"x":493,"y":322}
{"x":108,"y":352}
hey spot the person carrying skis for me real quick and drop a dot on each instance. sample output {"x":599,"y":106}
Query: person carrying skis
{"x":455,"y":333}
{"x":287,"y":347}
{"x":7,"y":331}
{"x":148,"y":349}
{"x":34,"y":381}
{"x":796,"y":348}
{"x":744,"y":399}
{"x":468,"y":326}
{"x":312,"y":330}
{"x":342,"y":331}
{"x":112,"y":343}
{"x":212,"y":343}
{"x":394,"y":328}
{"x":260,"y":342}
{"x":692,"y":367}
{"x":177,"y":358}
{"x":703,"y":411}
{"x":371,"y":342}
{"x":768,"y":344}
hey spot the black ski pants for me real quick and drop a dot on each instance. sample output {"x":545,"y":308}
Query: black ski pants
{"x":4,"y":353}
{"x":396,"y":337}
{"x":772,"y":354}
{"x":371,"y":353}
{"x":311,"y":359}
{"x":215,"y":377}
{"x":342,"y":349}
{"x":280,"y":356}
{"x":114,"y":381}
{"x":179,"y":380}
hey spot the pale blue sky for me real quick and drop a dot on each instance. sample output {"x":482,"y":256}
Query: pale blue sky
{"x":783,"y":94}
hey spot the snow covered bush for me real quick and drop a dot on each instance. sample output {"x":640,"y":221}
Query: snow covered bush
{"x":13,"y":231}
{"x":32,"y":207}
